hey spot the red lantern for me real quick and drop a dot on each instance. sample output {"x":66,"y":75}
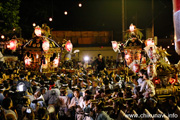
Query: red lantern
{"x":45,"y":45}
{"x":37,"y":31}
{"x":149,"y":42}
{"x":68,"y":46}
{"x":115,"y":46}
{"x":12,"y":45}
{"x":27,"y":61}
{"x":56,"y":62}
{"x":136,"y":68}
{"x":172,"y":80}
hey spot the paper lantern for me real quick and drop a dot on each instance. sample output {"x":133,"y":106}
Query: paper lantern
{"x":68,"y":46}
{"x":37,"y":31}
{"x":136,"y":68}
{"x":27,"y":61}
{"x":12,"y":45}
{"x":45,"y":45}
{"x":172,"y":80}
{"x":149,"y":42}
{"x":56,"y":62}
{"x":131,"y":28}
{"x":157,"y":81}
{"x":115,"y":46}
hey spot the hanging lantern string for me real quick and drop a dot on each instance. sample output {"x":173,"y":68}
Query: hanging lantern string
{"x":75,"y":5}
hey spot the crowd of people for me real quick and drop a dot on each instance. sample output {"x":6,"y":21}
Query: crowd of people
{"x":84,"y":94}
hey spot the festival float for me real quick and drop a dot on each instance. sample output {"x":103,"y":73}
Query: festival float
{"x":42,"y":53}
{"x":144,"y":54}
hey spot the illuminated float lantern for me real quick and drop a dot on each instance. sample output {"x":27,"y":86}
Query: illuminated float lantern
{"x":37,"y":31}
{"x":69,"y":46}
{"x":27,"y":61}
{"x":115,"y":45}
{"x":45,"y":45}
{"x":133,"y":49}
{"x":56,"y":62}
{"x":42,"y":49}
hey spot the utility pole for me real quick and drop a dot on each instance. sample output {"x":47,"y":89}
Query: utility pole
{"x":123,"y":29}
{"x":153,"y":19}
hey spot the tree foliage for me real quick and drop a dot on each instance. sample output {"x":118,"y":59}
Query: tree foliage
{"x":10,"y":15}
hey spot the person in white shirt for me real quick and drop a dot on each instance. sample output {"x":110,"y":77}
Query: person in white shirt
{"x":147,"y":86}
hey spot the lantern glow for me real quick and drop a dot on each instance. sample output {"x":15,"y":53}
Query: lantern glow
{"x":12,"y":45}
{"x":172,"y":80}
{"x":127,"y":56}
{"x":149,"y":42}
{"x":80,"y":5}
{"x":115,"y":46}
{"x":131,"y":28}
{"x":68,"y":46}
{"x":45,"y":45}
{"x":37,"y":31}
{"x":27,"y":61}
{"x":56,"y":62}
{"x":2,"y":37}
{"x":65,"y":12}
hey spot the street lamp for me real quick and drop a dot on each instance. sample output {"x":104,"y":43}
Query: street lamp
{"x":50,"y":19}
{"x":2,"y":37}
{"x":80,"y":5}
{"x":34,"y":24}
{"x":65,"y":12}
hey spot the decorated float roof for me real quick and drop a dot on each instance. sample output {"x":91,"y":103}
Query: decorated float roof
{"x":36,"y":44}
{"x":133,"y":43}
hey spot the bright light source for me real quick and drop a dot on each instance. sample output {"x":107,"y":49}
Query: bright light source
{"x":34,"y":24}
{"x":65,"y":12}
{"x":14,"y":29}
{"x":131,"y":28}
{"x":80,"y":5}
{"x":2,"y":36}
{"x":127,"y":56}
{"x":37,"y":31}
{"x":37,"y":56}
{"x":50,"y":19}
{"x":168,"y":46}
{"x":86,"y":58}
{"x":172,"y":43}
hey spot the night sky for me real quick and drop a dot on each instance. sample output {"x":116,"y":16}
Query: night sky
{"x":97,"y":15}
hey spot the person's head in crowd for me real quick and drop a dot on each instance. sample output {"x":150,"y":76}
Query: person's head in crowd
{"x":145,"y":76}
{"x":63,"y":91}
{"x":26,"y":101}
{"x":28,"y":114}
{"x":112,"y":74}
{"x":87,"y":99}
{"x":134,"y":79}
{"x":141,"y":72}
{"x":87,"y":92}
{"x":43,"y":90}
{"x":43,"y":114}
{"x":6,"y":93}
{"x":94,"y":84}
{"x":99,"y":107}
{"x":129,"y":104}
{"x":99,"y":56}
{"x":7,"y":103}
{"x":172,"y":101}
{"x":76,"y":92}
{"x":2,"y":114}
